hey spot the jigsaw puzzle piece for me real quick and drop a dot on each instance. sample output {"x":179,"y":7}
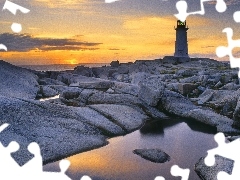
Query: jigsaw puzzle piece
{"x":177,"y":171}
{"x":224,"y":51}
{"x":182,"y":9}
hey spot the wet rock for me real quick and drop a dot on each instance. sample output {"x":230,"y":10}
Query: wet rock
{"x":126,"y":117}
{"x":153,"y":155}
{"x":210,"y":172}
{"x":17,"y":82}
{"x":151,"y":90}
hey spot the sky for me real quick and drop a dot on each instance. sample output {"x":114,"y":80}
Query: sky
{"x":92,"y":31}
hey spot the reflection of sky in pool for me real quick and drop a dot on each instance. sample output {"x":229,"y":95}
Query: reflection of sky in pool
{"x":185,"y":143}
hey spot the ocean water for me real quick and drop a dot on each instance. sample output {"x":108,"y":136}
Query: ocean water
{"x":61,"y":67}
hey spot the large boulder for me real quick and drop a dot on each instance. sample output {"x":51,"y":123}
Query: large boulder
{"x":126,"y":117}
{"x":151,"y":90}
{"x":17,"y":82}
{"x":177,"y":104}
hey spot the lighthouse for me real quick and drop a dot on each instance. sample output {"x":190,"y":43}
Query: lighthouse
{"x":181,"y":43}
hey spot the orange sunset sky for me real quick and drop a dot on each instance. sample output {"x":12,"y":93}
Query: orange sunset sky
{"x":91,"y":31}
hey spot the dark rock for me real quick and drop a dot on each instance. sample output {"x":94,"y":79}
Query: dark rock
{"x":153,"y":155}
{"x":84,"y":71}
{"x":186,"y":88}
{"x":115,"y":63}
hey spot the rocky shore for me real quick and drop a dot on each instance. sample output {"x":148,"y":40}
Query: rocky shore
{"x":95,"y":104}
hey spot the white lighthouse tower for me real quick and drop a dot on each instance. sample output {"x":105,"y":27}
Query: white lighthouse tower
{"x":181,"y":44}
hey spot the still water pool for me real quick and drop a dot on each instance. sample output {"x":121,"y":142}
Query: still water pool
{"x":184,"y":141}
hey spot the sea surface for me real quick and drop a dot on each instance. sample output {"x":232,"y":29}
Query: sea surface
{"x":61,"y":67}
{"x":184,"y":140}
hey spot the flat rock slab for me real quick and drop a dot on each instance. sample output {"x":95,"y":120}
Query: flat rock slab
{"x":75,"y":80}
{"x":210,"y":172}
{"x":57,"y":129}
{"x":93,"y":117}
{"x":153,"y":155}
{"x":126,"y":117}
{"x":17,"y":82}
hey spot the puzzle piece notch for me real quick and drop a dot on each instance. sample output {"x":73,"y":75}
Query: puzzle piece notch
{"x":222,"y":51}
{"x":13,"y":8}
{"x":33,"y":169}
{"x":182,"y":9}
{"x":236,"y":16}
{"x":227,"y":150}
{"x":159,"y":178}
{"x":177,"y":171}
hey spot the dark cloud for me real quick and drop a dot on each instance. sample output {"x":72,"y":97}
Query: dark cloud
{"x":26,"y":42}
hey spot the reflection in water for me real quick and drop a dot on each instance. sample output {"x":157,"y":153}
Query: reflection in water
{"x":116,"y":161}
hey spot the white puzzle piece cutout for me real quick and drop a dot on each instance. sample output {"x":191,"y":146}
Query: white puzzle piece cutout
{"x":222,"y":51}
{"x":182,"y":9}
{"x":227,"y":150}
{"x":33,"y":169}
{"x":177,"y":171}
{"x":13,"y":8}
